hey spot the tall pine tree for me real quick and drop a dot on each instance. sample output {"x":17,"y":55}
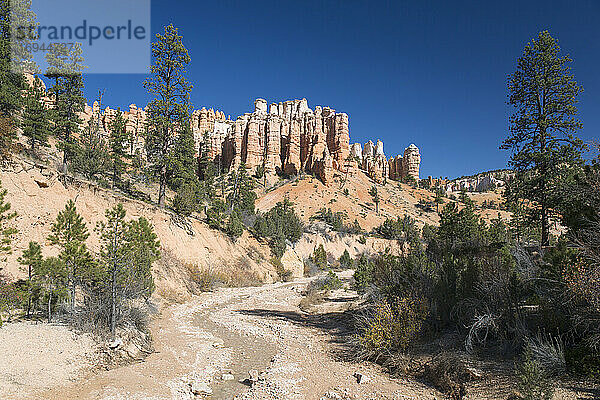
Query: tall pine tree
{"x":182,"y":169}
{"x":117,"y":142}
{"x":35,"y":123}
{"x":171,"y":104}
{"x":65,"y":66}
{"x":31,"y":260}
{"x":544,"y":94}
{"x":14,"y":60}
{"x":126,"y":256}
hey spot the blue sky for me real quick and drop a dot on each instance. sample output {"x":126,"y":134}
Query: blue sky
{"x":431,"y":73}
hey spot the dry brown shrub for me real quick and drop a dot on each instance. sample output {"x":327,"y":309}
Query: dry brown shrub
{"x":448,"y":373}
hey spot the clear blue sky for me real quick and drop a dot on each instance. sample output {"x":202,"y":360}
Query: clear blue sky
{"x":431,"y":73}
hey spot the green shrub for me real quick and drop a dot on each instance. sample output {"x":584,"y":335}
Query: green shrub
{"x":363,"y":275}
{"x":334,"y":220}
{"x":325,"y":284}
{"x":10,"y":297}
{"x":532,"y":380}
{"x":185,"y":201}
{"x":398,"y":229}
{"x":390,"y":229}
{"x":235,"y":227}
{"x":215,"y":215}
{"x":319,"y":257}
{"x":278,"y":225}
{"x":388,"y":328}
{"x":332,"y":282}
{"x":346,"y":260}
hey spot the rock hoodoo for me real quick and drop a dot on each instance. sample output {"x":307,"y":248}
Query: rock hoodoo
{"x":286,"y":137}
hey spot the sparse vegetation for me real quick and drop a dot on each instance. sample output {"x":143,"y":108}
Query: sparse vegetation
{"x":533,"y":381}
{"x":278,"y":225}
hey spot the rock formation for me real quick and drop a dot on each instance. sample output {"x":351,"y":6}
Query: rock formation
{"x":286,"y":137}
{"x":135,"y":120}
{"x":373,"y":161}
{"x":482,"y":182}
{"x":282,"y":138}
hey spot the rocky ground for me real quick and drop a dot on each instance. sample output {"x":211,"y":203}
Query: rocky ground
{"x":36,"y":356}
{"x":242,"y":343}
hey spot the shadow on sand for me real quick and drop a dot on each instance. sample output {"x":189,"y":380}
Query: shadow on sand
{"x":338,"y":325}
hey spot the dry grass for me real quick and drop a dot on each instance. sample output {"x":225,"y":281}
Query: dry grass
{"x":206,"y":280}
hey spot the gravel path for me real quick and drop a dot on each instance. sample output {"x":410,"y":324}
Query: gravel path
{"x":211,"y":343}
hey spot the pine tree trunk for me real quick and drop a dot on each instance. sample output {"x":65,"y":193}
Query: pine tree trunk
{"x":72,"y":289}
{"x":49,"y":307}
{"x":113,"y":311}
{"x":162,"y":188}
{"x":545,"y":227}
{"x":29,"y":291}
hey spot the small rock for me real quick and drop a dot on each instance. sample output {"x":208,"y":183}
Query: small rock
{"x":133,"y":351}
{"x":201,"y":388}
{"x":42,"y":184}
{"x":218,"y":345}
{"x":118,"y":342}
{"x":227,"y":377}
{"x":361,"y":378}
{"x":475,"y":374}
{"x":253,"y":375}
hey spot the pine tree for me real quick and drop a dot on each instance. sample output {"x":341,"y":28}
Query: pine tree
{"x":14,"y":59}
{"x":320,"y":257}
{"x":376,"y":199}
{"x":69,"y":232}
{"x":35,"y":123}
{"x":115,"y":258}
{"x":216,"y":213}
{"x":544,"y":94}
{"x":117,"y":142}
{"x":235,"y":227}
{"x":171,"y":105}
{"x":128,"y":250}
{"x":65,"y":66}
{"x":182,"y":168}
{"x":241,"y":196}
{"x":52,"y":277}
{"x":11,"y":83}
{"x":6,"y":230}
{"x":145,"y":248}
{"x":346,"y":260}
{"x":31,"y":260}
{"x":90,"y":153}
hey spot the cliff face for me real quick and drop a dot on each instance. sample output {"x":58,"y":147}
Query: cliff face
{"x":135,"y":119}
{"x":286,"y":137}
{"x":289,"y":137}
